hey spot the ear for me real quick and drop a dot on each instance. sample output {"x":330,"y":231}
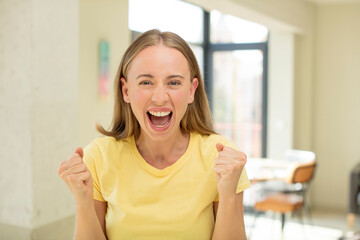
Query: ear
{"x":125,"y":90}
{"x":194,"y":85}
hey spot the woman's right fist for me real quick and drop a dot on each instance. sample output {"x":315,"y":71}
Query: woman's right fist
{"x":76,"y":175}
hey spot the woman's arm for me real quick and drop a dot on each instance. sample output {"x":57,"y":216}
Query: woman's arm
{"x":229,"y":214}
{"x":90,"y":221}
{"x":101,"y":208}
{"x":229,"y":218}
{"x":90,"y":214}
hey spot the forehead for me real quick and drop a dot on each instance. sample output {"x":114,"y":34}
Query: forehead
{"x":159,"y":59}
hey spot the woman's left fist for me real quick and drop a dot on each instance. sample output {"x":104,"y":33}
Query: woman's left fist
{"x":228,"y":168}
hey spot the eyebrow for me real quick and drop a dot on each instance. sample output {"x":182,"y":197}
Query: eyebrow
{"x":145,"y":75}
{"x":175,"y":76}
{"x":151,"y":76}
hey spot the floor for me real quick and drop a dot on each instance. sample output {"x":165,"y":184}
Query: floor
{"x":326,"y":225}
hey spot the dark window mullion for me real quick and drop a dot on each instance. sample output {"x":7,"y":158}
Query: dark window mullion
{"x":208,"y":61}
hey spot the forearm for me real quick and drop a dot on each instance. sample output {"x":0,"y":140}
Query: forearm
{"x":87,"y":225}
{"x":229,"y":220}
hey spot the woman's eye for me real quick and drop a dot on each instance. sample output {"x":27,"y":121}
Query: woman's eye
{"x":174,"y":83}
{"x":145,"y":83}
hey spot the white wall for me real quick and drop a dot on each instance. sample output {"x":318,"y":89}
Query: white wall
{"x":280,"y":94}
{"x":54,"y":98}
{"x":38,"y":105}
{"x":336,"y":100}
{"x":43,"y":113}
{"x":304,"y":90}
{"x":15,"y":142}
{"x":99,"y":20}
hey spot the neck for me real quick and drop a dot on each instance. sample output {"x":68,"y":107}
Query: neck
{"x":163,"y":153}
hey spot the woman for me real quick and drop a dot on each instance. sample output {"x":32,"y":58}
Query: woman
{"x":161,"y":172}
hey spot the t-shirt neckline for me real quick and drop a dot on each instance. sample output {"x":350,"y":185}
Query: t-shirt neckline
{"x":161,"y":172}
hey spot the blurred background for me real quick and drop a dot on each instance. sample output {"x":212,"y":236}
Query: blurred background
{"x":279,"y":75}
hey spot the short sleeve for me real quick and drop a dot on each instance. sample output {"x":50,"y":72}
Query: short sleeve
{"x":243,"y":183}
{"x":92,"y":159}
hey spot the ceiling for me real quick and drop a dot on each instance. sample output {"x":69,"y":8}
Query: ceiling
{"x":332,"y":1}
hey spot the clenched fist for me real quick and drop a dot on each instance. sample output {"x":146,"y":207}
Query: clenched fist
{"x":76,"y":175}
{"x":228,"y":167}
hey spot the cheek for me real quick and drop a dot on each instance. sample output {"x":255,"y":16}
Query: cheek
{"x":139,"y":97}
{"x":138,"y":102}
{"x":181,"y":99}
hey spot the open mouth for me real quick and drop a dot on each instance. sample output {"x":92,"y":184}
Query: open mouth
{"x":159,"y":119}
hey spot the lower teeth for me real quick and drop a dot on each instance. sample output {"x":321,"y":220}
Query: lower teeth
{"x":160,"y":126}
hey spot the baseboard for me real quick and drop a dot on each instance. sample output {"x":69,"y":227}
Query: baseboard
{"x":62,"y":229}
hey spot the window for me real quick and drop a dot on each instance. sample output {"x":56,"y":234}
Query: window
{"x":229,"y":29}
{"x":237,"y":98}
{"x":236,"y":81}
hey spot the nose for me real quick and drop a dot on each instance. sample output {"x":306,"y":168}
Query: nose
{"x":160,"y":94}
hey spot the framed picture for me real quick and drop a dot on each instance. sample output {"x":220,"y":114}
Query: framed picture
{"x":104,"y":81}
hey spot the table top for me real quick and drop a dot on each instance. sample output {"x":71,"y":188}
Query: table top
{"x":264,"y":169}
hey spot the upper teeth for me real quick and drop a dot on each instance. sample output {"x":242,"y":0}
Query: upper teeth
{"x":159,"y":114}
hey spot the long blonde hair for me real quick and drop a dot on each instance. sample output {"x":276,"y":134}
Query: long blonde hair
{"x":197,"y":117}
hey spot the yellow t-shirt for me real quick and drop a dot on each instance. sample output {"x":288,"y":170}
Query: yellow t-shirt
{"x":147,"y":203}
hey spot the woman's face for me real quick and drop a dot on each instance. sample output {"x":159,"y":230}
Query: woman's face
{"x":159,"y":89}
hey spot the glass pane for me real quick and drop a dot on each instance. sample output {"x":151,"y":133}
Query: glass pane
{"x":229,"y":29}
{"x":199,"y":54}
{"x":237,"y":98}
{"x":167,"y":15}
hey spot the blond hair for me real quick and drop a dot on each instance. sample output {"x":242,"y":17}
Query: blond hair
{"x":197,"y":117}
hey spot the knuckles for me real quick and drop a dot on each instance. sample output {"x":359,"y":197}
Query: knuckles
{"x":66,"y":172}
{"x":243,"y":157}
{"x":70,"y":162}
{"x":229,"y":165}
{"x":232,"y":152}
{"x":82,"y":167}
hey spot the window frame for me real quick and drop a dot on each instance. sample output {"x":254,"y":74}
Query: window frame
{"x":209,"y":48}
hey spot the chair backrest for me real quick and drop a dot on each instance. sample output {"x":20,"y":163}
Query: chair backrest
{"x":301,"y":172}
{"x":295,"y":155}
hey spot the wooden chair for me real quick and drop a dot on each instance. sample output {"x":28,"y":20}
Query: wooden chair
{"x":288,"y":186}
{"x":283,"y":202}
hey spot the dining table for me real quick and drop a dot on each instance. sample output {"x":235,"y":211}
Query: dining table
{"x":266,"y":169}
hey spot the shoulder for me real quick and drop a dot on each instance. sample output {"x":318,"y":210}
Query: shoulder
{"x":102,"y":146}
{"x":211,"y":140}
{"x":206,"y":144}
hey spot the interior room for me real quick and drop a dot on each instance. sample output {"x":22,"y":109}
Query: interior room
{"x":279,"y":75}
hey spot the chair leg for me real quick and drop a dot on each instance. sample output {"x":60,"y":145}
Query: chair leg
{"x":308,"y":213}
{"x":282,"y":222}
{"x":256,"y":214}
{"x":300,"y":214}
